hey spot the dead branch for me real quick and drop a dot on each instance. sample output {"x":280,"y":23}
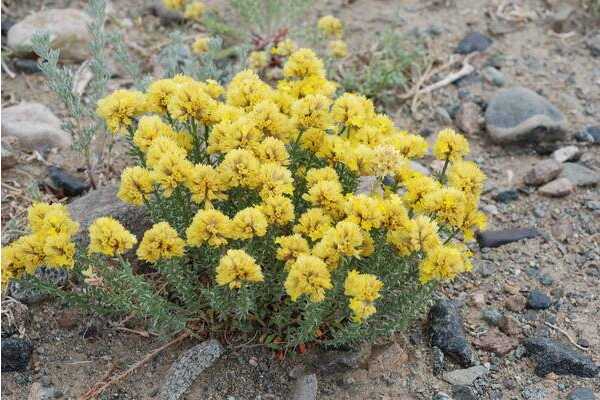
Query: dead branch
{"x":573,"y":342}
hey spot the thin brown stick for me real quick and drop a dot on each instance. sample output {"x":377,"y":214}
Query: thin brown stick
{"x":573,"y":342}
{"x":101,"y":386}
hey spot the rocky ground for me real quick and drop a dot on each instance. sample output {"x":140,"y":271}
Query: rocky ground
{"x":522,"y":325}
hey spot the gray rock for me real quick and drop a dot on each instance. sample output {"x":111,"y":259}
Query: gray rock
{"x":581,"y":394}
{"x":492,"y":316}
{"x":468,"y":118}
{"x":543,"y":172}
{"x":593,"y":43}
{"x":534,"y":393}
{"x":9,"y":159}
{"x":16,"y":353}
{"x":490,"y":209}
{"x":580,"y":175}
{"x":306,"y":388}
{"x":560,"y":187}
{"x":446,"y":332}
{"x":566,"y":153}
{"x":67,"y":28}
{"x":438,"y":360}
{"x":589,"y":134}
{"x":553,"y":356}
{"x":493,"y":76}
{"x":465,"y":376}
{"x":506,"y":196}
{"x":519,"y":114}
{"x":26,"y":65}
{"x":186,"y":369}
{"x":463,"y":392}
{"x":366,"y":185}
{"x":502,"y":237}
{"x":537,"y":300}
{"x":104,"y":202}
{"x":25,"y":292}
{"x":473,"y":41}
{"x":441,"y":396}
{"x":34,"y":126}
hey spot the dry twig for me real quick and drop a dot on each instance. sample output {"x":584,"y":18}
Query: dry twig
{"x":104,"y":384}
{"x":8,"y":70}
{"x":573,"y":342}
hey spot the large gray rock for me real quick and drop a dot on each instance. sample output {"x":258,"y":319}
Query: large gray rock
{"x":465,"y":376}
{"x":102,"y":203}
{"x":560,"y":187}
{"x":446,"y":332}
{"x":186,"y":369}
{"x":580,"y":175}
{"x":306,"y":388}
{"x":519,"y":114}
{"x":34,"y":126}
{"x":67,"y":29}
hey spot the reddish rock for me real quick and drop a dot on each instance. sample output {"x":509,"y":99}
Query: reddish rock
{"x":495,"y":342}
{"x":515,"y":303}
{"x":510,"y":326}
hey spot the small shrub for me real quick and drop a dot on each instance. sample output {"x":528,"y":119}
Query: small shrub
{"x":258,"y":228}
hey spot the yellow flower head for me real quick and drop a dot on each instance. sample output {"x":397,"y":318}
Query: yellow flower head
{"x":474,"y":220}
{"x":258,"y":60}
{"x":291,"y":247}
{"x":366,"y":212}
{"x":313,"y":224}
{"x":248,"y":223}
{"x":466,"y":177}
{"x":149,"y":128}
{"x":191,"y":102}
{"x":194,"y":10}
{"x":279,"y":210}
{"x":352,"y":110}
{"x":160,"y":147}
{"x":172,"y":170}
{"x":368,"y":135}
{"x":284,"y":48}
{"x":327,"y":195}
{"x":347,"y":238}
{"x":11,"y":267}
{"x":275,"y":180}
{"x":365,"y":159}
{"x":362,"y":286}
{"x":361,"y":309}
{"x":247,"y":90}
{"x":308,"y":275}
{"x":338,"y":49}
{"x":313,"y":139}
{"x":59,"y":251}
{"x":159,"y":243}
{"x":119,"y":108}
{"x":419,"y":234}
{"x":312,"y":112}
{"x":450,"y":145}
{"x":448,"y":205}
{"x":214,"y":89}
{"x":330,"y":26}
{"x":396,"y":215}
{"x":109,"y":237}
{"x":58,"y":221}
{"x":272,"y":150}
{"x":29,"y":252}
{"x":409,"y":146}
{"x":38,"y":211}
{"x":325,"y":249}
{"x":316,"y":175}
{"x":159,"y":94}
{"x":174,"y":5}
{"x":236,"y":268}
{"x":272,"y":122}
{"x":303,"y":63}
{"x":205,"y":184}
{"x":136,"y":184}
{"x":241,"y":168}
{"x":297,"y":89}
{"x":417,"y":189}
{"x":210,"y":226}
{"x":443,"y":262}
{"x":240,"y":134}
{"x":200,"y":45}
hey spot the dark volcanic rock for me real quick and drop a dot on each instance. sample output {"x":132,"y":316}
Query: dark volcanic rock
{"x":499,"y":238}
{"x":67,"y":183}
{"x":506,"y":196}
{"x":26,"y":65}
{"x":446,"y":332}
{"x":15,"y":354}
{"x":538,"y":300}
{"x":553,"y":356}
{"x":474,"y":41}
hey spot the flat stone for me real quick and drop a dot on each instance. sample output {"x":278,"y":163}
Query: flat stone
{"x":566,"y":153}
{"x":505,"y":236}
{"x":496,"y":342}
{"x":34,"y":126}
{"x":581,"y":394}
{"x":493,"y":76}
{"x":515,"y":303}
{"x":465,"y":376}
{"x":553,"y":356}
{"x":333,"y":362}
{"x":306,"y":388}
{"x":472,"y":42}
{"x":16,"y":353}
{"x":188,"y":367}
{"x":519,"y":114}
{"x":560,"y":187}
{"x":537,"y":300}
{"x":468,"y":118}
{"x":446,"y":332}
{"x":543,"y":172}
{"x":67,"y":29}
{"x":580,"y":175}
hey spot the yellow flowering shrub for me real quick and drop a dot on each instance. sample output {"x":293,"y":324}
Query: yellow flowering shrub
{"x":257,"y":223}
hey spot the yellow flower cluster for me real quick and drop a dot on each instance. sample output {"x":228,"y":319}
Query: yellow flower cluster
{"x":363,"y":290}
{"x":332,"y":28}
{"x":200,"y":45}
{"x":50,"y":242}
{"x":109,"y":237}
{"x":159,"y":243}
{"x":194,"y":10}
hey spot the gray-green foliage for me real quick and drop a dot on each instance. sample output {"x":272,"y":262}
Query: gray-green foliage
{"x":266,"y":17}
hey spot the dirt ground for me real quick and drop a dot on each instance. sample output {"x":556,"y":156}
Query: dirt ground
{"x":568,"y":251}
